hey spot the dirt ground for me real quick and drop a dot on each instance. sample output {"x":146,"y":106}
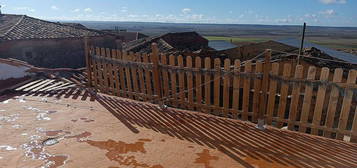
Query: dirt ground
{"x":65,"y":131}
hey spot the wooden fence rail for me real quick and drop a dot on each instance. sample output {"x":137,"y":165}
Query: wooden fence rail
{"x":319,"y":101}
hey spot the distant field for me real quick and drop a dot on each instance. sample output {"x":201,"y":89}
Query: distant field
{"x":237,"y":39}
{"x":327,"y":42}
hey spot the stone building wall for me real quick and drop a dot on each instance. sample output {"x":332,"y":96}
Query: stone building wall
{"x":53,"y":53}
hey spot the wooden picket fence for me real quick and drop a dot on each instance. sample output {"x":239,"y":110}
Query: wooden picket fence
{"x":319,"y":101}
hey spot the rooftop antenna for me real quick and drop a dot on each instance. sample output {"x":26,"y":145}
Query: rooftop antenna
{"x":302,"y":43}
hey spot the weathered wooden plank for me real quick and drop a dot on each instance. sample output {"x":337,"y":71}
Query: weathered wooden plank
{"x":307,"y":99}
{"x":198,"y":79}
{"x":320,"y":100}
{"x":121,"y":75}
{"x":141,"y":77}
{"x":189,"y":81}
{"x":116,"y":89}
{"x":295,"y":96}
{"x":181,"y":77}
{"x":134,"y":76}
{"x":226,"y":85}
{"x":217,"y":84}
{"x":346,"y":104}
{"x":173,"y":81}
{"x":128,"y":76}
{"x":265,"y":86}
{"x":283,"y":94}
{"x":272,"y":94}
{"x":236,"y":87}
{"x":165,"y":76}
{"x":105,"y":72}
{"x":100,"y":75}
{"x":354,"y":128}
{"x":332,"y":104}
{"x":246,"y":90}
{"x":110,"y":72}
{"x":207,"y":82}
{"x":147,"y":76}
{"x":256,"y":94}
{"x":155,"y":70}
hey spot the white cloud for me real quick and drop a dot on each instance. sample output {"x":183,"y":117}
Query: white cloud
{"x":124,"y":9}
{"x":333,"y":1}
{"x":24,"y":8}
{"x":76,"y":10}
{"x":186,"y":10}
{"x":54,"y":7}
{"x":328,"y":12}
{"x":88,"y":10}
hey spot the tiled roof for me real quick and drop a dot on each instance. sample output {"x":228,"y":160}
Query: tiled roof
{"x":19,"y":27}
{"x":350,"y":58}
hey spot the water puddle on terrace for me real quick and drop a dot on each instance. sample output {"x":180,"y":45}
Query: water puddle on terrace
{"x":36,"y":151}
{"x":10,"y":118}
{"x":7,"y":148}
{"x":205,"y":158}
{"x":116,"y":149}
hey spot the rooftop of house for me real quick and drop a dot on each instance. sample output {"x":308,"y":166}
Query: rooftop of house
{"x":127,"y":36}
{"x":343,"y":56}
{"x":22,"y":27}
{"x":180,"y":41}
{"x":58,"y":121}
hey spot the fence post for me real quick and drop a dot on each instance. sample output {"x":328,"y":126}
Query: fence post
{"x":156,"y":70}
{"x":88,"y":61}
{"x":265,"y":85}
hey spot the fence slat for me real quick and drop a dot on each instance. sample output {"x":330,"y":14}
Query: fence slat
{"x":346,"y":105}
{"x":217,"y":84}
{"x":100,"y":71}
{"x":128,"y":76}
{"x":110,"y":72}
{"x":156,"y":70}
{"x":306,"y":106}
{"x":165,"y":76}
{"x":105,"y":71}
{"x":272,"y":94}
{"x":207,"y":83}
{"x":189,"y":81}
{"x":147,"y":76}
{"x":246,"y":90}
{"x":181,"y":77}
{"x":116,"y":89}
{"x":354,"y":128}
{"x":320,"y":100}
{"x":198,"y":79}
{"x":121,"y":74}
{"x":295,"y":97}
{"x":226,"y":82}
{"x":331,"y":109}
{"x":173,"y":82}
{"x":256,"y":94}
{"x":283,"y":94}
{"x":134,"y":76}
{"x":236,"y":88}
{"x":141,"y":77}
{"x":95,"y":70}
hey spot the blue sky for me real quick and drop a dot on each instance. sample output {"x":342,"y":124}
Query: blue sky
{"x":274,"y":12}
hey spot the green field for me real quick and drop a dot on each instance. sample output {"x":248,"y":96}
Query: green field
{"x":327,"y":42}
{"x":237,"y":39}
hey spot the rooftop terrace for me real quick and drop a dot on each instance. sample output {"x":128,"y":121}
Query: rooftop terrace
{"x":52,"y":127}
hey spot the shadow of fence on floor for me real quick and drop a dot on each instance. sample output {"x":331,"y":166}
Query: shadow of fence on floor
{"x":239,"y":140}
